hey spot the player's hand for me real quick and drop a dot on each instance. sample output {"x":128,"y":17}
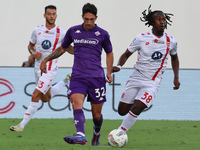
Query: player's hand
{"x":109,"y":78}
{"x":37,"y":55}
{"x":176,"y":84}
{"x":43,"y":67}
{"x":115,"y":69}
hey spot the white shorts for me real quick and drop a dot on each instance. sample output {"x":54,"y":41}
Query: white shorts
{"x":44,"y":82}
{"x":140,"y":88}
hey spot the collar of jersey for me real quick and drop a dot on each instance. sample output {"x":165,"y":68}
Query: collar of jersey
{"x":91,"y":29}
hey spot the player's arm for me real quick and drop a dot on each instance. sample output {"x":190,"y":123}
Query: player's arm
{"x":31,"y":59}
{"x":109,"y":63}
{"x":31,"y":49}
{"x":70,"y":49}
{"x":55,"y":54}
{"x":123,"y":58}
{"x":175,"y":67}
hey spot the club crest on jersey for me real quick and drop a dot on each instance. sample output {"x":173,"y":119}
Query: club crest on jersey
{"x":156,"y":55}
{"x":46,"y":44}
{"x":97,"y":33}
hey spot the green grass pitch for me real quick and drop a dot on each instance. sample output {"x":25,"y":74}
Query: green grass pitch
{"x":47,"y":134}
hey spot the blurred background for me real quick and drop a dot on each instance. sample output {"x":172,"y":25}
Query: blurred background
{"x":120,"y":18}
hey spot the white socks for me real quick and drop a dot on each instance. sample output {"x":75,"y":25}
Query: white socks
{"x":128,"y":122}
{"x":56,"y":88}
{"x":28,"y":114}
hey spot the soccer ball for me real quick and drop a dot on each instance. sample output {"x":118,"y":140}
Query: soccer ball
{"x":117,"y":138}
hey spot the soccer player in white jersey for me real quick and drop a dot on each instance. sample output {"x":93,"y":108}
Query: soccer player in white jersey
{"x":153,"y":49}
{"x":44,"y":40}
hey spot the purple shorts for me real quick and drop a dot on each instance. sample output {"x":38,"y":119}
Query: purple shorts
{"x":93,"y":88}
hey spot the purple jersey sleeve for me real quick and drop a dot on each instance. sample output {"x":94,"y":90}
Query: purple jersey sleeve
{"x":107,"y":46}
{"x":67,"y":39}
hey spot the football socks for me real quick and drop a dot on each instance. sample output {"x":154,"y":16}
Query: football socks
{"x":97,"y":124}
{"x":57,"y":87}
{"x":79,"y":121}
{"x":28,"y":114}
{"x":128,"y":122}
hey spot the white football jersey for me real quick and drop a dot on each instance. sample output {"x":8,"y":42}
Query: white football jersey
{"x":153,"y":53}
{"x":46,"y":41}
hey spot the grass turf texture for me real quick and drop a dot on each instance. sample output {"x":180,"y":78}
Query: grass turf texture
{"x":47,"y":134}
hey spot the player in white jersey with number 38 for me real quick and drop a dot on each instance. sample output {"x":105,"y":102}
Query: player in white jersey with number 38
{"x":44,"y":40}
{"x":153,"y":49}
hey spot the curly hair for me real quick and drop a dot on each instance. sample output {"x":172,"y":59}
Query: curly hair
{"x":148,"y":18}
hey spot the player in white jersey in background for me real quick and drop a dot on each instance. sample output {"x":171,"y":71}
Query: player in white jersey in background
{"x":44,"y":40}
{"x":153,"y":49}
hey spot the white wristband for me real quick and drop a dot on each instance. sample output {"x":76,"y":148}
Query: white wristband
{"x":118,"y":66}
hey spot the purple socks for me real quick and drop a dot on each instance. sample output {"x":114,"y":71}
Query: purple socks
{"x":97,"y":124}
{"x":79,"y":121}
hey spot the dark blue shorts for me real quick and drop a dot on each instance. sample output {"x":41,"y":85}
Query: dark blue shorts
{"x":93,"y":88}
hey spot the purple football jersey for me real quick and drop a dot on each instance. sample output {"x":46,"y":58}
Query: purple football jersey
{"x":87,"y":50}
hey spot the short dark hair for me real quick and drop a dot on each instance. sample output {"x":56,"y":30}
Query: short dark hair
{"x":148,"y":18}
{"x":89,"y":8}
{"x":49,"y":7}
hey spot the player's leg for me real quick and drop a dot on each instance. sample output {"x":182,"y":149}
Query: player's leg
{"x":127,"y":100}
{"x":29,"y":112}
{"x":77,"y":100}
{"x":56,"y":88}
{"x":128,"y":96}
{"x":140,"y":92}
{"x":126,"y":103}
{"x":143,"y":100}
{"x":32,"y":108}
{"x":46,"y":97}
{"x":42,"y":87}
{"x":132,"y":115}
{"x":76,"y":93}
{"x":123,"y":108}
{"x":97,"y":97}
{"x":97,"y":117}
{"x":98,"y":120}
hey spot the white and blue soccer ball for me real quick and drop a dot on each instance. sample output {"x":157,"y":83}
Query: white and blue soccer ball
{"x":117,"y":138}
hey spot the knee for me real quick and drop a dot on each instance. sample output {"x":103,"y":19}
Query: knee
{"x":77,"y":100}
{"x":45,"y":100}
{"x":122,"y":112}
{"x":138,"y":107}
{"x":123,"y":109}
{"x":35,"y":97}
{"x":97,"y":116}
{"x":136,"y":111}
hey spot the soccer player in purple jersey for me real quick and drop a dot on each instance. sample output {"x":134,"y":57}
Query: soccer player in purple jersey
{"x":88,"y":78}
